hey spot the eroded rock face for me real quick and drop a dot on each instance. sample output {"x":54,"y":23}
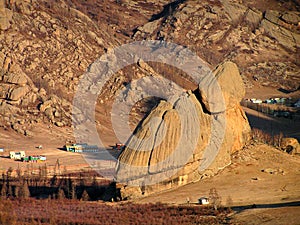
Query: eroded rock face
{"x":273,"y":20}
{"x":183,"y":140}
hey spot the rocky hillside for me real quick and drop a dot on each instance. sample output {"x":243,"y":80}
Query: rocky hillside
{"x":46,"y":46}
{"x":262,"y":37}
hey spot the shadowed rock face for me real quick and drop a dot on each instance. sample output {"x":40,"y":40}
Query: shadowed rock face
{"x":185,"y":140}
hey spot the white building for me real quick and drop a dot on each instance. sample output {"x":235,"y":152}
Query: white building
{"x":203,"y":201}
{"x":17,"y":155}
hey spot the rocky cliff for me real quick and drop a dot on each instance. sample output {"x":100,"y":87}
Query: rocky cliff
{"x":188,"y":138}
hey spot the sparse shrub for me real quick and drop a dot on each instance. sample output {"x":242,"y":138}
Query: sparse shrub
{"x":266,"y":138}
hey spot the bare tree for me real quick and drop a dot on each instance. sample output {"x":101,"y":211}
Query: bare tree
{"x":61,"y":194}
{"x":3,"y":192}
{"x":23,"y":191}
{"x":214,"y":198}
{"x":85,"y":196}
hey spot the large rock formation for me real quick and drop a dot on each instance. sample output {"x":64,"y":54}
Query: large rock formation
{"x":184,"y":140}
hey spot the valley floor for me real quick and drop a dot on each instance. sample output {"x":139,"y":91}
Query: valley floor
{"x":257,"y":197}
{"x":259,"y":176}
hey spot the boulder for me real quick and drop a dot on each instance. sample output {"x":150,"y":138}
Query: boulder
{"x":18,"y":128}
{"x":7,"y":110}
{"x":4,"y":89}
{"x":150,"y":27}
{"x":229,"y":80}
{"x":142,"y":64}
{"x":253,"y":17}
{"x":78,"y":14}
{"x":31,"y":97}
{"x":6,"y":63}
{"x":180,"y":142}
{"x":47,"y":104}
{"x":273,"y":171}
{"x":234,"y":11}
{"x":42,"y":92}
{"x":290,"y":145}
{"x":22,"y":6}
{"x":49,"y":113}
{"x":272,"y":27}
{"x":28,"y":133}
{"x":273,"y":16}
{"x":17,"y":93}
{"x":2,"y":59}
{"x":291,"y":17}
{"x":12,"y":78}
{"x":96,"y":38}
{"x":5,"y":16}
{"x":59,"y":124}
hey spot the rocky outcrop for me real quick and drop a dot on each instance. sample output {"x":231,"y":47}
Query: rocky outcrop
{"x":239,"y":32}
{"x":290,"y":145}
{"x":5,"y":16}
{"x":227,"y":75}
{"x":46,"y":46}
{"x":277,"y":28}
{"x":41,"y":59}
{"x":11,"y":78}
{"x":17,"y":93}
{"x":184,"y":140}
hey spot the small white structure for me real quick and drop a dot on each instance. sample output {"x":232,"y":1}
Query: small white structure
{"x":42,"y":158}
{"x":203,"y":201}
{"x":257,"y":101}
{"x":17,"y":155}
{"x":1,"y":150}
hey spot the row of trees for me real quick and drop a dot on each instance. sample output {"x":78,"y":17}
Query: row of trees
{"x":20,"y":191}
{"x":69,"y":186}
